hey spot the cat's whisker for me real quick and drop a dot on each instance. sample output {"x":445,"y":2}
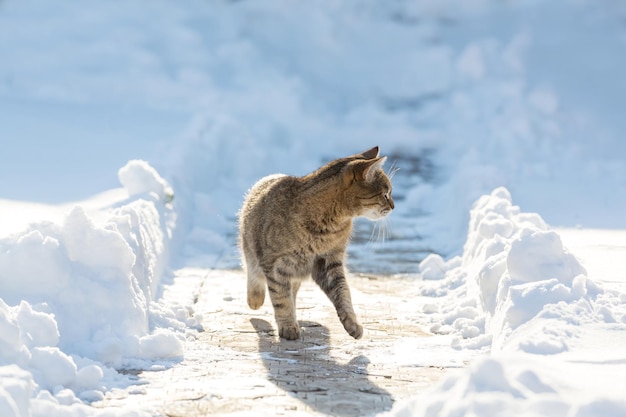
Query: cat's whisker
{"x":380,"y":231}
{"x":372,"y":238}
{"x":382,"y":234}
{"x":393,"y":169}
{"x":387,"y":228}
{"x":384,"y":229}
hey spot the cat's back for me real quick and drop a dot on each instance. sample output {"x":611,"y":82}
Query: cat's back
{"x":269,"y":197}
{"x":262,"y":188}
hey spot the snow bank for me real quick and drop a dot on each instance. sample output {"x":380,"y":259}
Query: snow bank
{"x":138,"y":177}
{"x":518,"y":294}
{"x":514,"y":273}
{"x":507,"y":386}
{"x":76,"y":297}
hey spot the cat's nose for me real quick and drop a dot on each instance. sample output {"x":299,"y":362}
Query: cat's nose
{"x":391,"y":203}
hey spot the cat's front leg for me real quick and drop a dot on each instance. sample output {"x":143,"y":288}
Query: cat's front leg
{"x":280,"y":290}
{"x":330,"y":275}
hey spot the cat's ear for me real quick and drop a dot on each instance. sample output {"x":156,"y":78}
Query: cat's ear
{"x":363,"y":170}
{"x":368,"y":154}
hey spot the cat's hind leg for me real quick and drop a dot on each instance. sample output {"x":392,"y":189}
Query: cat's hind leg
{"x":281,"y":292}
{"x":256,"y":286}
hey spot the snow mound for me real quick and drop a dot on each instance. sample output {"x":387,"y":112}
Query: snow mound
{"x":78,"y":297}
{"x":516,"y":287}
{"x":520,"y":295}
{"x":138,"y":177}
{"x":505,"y":387}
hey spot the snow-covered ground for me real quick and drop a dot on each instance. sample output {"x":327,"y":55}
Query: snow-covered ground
{"x":493,"y":111}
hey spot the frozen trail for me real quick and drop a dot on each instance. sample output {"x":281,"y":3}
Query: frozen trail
{"x":237,"y":365}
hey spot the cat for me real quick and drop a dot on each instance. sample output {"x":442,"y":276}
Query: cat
{"x":291,"y":228}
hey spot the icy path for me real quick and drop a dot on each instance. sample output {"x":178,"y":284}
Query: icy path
{"x":238,"y":365}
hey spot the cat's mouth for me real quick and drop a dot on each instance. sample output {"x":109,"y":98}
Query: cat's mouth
{"x":376,"y":214}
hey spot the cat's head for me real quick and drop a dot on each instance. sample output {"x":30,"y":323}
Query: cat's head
{"x":368,"y":188}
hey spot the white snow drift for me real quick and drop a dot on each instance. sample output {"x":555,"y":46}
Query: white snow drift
{"x":76,"y":296}
{"x":514,"y":274}
{"x":518,"y":294}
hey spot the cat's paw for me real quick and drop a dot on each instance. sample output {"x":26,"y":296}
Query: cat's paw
{"x":353,"y":328}
{"x":289,"y":332}
{"x":256,"y":299}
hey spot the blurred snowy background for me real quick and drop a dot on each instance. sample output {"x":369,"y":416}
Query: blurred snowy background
{"x":464,"y":97}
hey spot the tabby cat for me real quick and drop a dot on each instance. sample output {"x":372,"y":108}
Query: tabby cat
{"x":291,"y":228}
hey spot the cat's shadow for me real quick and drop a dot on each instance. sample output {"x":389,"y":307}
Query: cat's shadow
{"x":306,"y":370}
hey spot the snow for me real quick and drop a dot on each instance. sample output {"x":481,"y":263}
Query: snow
{"x":507,"y":386}
{"x":528,"y":302}
{"x":76,"y":295}
{"x":503,"y":118}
